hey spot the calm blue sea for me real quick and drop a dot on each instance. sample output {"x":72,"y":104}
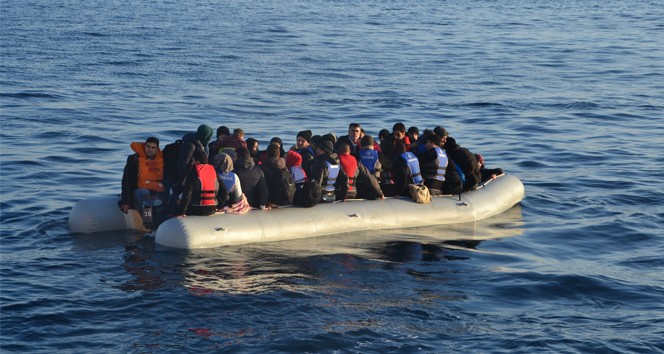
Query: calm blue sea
{"x":567,"y":95}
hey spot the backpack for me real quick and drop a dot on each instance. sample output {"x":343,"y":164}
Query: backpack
{"x":282,"y":188}
{"x":171,"y":153}
{"x":307,"y":195}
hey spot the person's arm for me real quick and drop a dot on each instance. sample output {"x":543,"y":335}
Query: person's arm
{"x":188,"y":189}
{"x":129,"y":183}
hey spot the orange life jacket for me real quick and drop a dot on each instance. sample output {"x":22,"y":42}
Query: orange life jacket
{"x":150,"y":172}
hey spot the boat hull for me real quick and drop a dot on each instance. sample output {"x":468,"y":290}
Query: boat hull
{"x":289,"y":223}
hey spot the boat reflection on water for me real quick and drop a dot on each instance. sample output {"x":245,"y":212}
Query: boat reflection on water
{"x":301,"y":264}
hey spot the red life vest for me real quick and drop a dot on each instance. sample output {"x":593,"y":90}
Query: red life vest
{"x":207,"y":178}
{"x":349,"y":165}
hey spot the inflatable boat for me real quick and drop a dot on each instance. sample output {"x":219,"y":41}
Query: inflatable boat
{"x":286,"y":223}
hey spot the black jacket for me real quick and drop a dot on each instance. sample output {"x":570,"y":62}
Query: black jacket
{"x":129,"y":180}
{"x":466,"y":160}
{"x":252,"y":181}
{"x":186,"y":157}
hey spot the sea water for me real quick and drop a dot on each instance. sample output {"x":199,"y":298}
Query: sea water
{"x":566,"y":95}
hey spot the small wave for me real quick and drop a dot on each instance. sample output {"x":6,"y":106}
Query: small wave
{"x":31,"y":94}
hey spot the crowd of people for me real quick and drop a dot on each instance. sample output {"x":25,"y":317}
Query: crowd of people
{"x":197,"y":176}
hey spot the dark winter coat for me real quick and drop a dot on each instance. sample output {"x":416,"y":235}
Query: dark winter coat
{"x":466,"y":161}
{"x":252,"y":181}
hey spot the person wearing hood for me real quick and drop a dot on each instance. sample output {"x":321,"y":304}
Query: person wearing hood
{"x":223,"y":164}
{"x":252,"y":180}
{"x":281,"y":186}
{"x":143,"y":176}
{"x":192,"y":142}
{"x":303,"y":147}
{"x":466,"y":161}
{"x":328,"y":174}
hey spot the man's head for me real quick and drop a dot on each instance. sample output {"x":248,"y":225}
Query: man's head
{"x":414,"y":133}
{"x":433,"y":141}
{"x":343,"y":149}
{"x":303,"y":139}
{"x":238,"y":133}
{"x":398,"y":130}
{"x":252,"y":145}
{"x":273,"y":150}
{"x":222,"y":132}
{"x":151,"y":147}
{"x":203,"y":134}
{"x":325,"y":147}
{"x":354,"y":131}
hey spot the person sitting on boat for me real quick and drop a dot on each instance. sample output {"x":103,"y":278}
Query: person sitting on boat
{"x":262,"y":156}
{"x":397,"y":137}
{"x":361,"y":183}
{"x":191,"y":142}
{"x":304,"y":149}
{"x":252,"y":180}
{"x":236,"y":141}
{"x":294,"y":165}
{"x":280,"y":183}
{"x":413,"y":133}
{"x":487,"y":173}
{"x":201,"y":188}
{"x":371,"y":158}
{"x":406,"y":170}
{"x":142,"y":180}
{"x":252,"y":146}
{"x":352,"y":139}
{"x":464,"y":159}
{"x":214,"y":148}
{"x":433,"y":164}
{"x":328,"y":174}
{"x":223,"y":164}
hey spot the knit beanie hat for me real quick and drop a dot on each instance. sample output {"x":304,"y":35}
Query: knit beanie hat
{"x":293,"y":159}
{"x":326,"y":146}
{"x":223,"y":162}
{"x":367,"y":140}
{"x":305,"y":134}
{"x":204,"y":133}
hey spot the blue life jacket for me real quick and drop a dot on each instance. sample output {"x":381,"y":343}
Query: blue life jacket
{"x":413,"y":166}
{"x":369,"y":159}
{"x":442,"y":164}
{"x":462,"y":176}
{"x":308,"y":148}
{"x":228,"y":178}
{"x":298,"y":174}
